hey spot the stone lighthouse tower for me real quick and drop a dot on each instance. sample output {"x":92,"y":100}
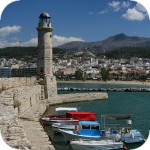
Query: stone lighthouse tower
{"x":44,"y":62}
{"x":44,"y":29}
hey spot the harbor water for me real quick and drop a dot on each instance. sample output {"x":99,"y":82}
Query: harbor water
{"x":135,"y":103}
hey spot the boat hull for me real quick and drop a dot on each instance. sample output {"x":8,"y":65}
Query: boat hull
{"x":66,"y":126}
{"x":71,"y":135}
{"x":96,"y":145}
{"x":132,"y":140}
{"x":133,"y":137}
{"x":50,"y":121}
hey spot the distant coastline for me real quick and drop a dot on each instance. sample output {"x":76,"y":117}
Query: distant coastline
{"x":106,"y":82}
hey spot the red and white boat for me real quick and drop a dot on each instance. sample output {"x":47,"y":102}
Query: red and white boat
{"x":70,"y":125}
{"x":59,"y":116}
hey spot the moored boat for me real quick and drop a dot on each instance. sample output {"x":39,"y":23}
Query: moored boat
{"x":125,"y":131}
{"x":85,"y":130}
{"x":95,"y":145}
{"x":90,"y":116}
{"x":59,"y":116}
{"x":64,"y":125}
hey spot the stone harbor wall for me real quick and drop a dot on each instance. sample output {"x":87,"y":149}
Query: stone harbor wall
{"x":29,"y":102}
{"x":7,"y":83}
{"x":20,"y":109}
{"x":12,"y":130}
{"x":23,"y":101}
{"x":77,"y":97}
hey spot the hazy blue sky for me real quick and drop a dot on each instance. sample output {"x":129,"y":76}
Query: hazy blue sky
{"x":85,"y":20}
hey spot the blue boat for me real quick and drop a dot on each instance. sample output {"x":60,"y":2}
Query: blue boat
{"x":121,"y":129}
{"x":84,"y":130}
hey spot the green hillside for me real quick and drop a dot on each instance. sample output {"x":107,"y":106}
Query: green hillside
{"x":128,"y":52}
{"x":23,"y":52}
{"x":30,"y":53}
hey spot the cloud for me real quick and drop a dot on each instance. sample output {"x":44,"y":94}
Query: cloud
{"x":137,"y":13}
{"x":31,"y":42}
{"x":115,"y":6}
{"x":125,"y":4}
{"x":59,"y":40}
{"x":103,"y":12}
{"x":5,"y":31}
{"x":134,"y":14}
{"x":56,"y":41}
{"x":5,"y":43}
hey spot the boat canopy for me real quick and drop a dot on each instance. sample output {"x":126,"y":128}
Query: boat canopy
{"x":66,"y":109}
{"x":81,"y":115}
{"x":89,"y":123}
{"x":118,"y":117}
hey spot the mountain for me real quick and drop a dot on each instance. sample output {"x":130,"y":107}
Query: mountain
{"x":111,"y":43}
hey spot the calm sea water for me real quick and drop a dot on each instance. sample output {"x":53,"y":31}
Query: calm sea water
{"x":137,"y":103}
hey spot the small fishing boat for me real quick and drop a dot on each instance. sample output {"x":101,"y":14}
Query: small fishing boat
{"x":59,"y":116}
{"x":90,"y":116}
{"x":96,"y":145}
{"x":85,"y":130}
{"x":64,"y":125}
{"x":123,"y":128}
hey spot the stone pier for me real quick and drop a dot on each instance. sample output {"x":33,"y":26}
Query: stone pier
{"x":20,"y":110}
{"x":21,"y":106}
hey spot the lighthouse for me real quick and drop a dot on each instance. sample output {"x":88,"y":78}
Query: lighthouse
{"x":45,"y":58}
{"x":44,"y":62}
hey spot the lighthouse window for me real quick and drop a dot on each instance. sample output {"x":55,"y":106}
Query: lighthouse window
{"x":44,"y":20}
{"x":48,"y":20}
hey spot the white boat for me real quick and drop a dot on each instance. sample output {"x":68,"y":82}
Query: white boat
{"x":64,"y":125}
{"x":90,"y":116}
{"x":134,"y":136}
{"x":95,"y":145}
{"x":85,"y":130}
{"x":125,"y":132}
{"x":59,"y":116}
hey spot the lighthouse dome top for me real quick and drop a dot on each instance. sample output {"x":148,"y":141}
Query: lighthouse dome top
{"x":44,"y":15}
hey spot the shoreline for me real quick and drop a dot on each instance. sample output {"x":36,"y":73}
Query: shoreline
{"x":107,"y":82}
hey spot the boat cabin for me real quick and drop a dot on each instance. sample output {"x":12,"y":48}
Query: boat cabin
{"x":89,"y":128}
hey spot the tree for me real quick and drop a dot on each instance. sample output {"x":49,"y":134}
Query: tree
{"x":79,"y":75}
{"x":105,"y":74}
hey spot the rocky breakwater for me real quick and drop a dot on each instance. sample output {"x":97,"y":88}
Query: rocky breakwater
{"x":106,"y":89}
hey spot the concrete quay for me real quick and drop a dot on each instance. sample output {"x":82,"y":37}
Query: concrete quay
{"x":78,"y":97}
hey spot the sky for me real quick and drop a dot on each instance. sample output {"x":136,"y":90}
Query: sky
{"x":72,"y":20}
